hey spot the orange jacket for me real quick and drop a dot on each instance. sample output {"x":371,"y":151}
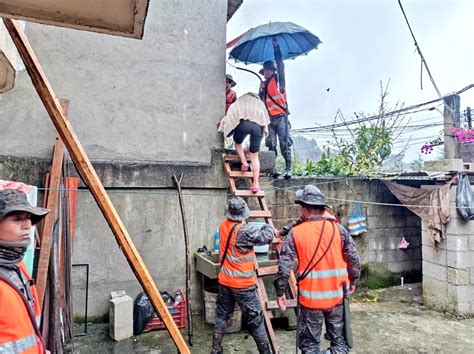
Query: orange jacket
{"x":17,"y":332}
{"x":279,"y":99}
{"x":238,"y":270}
{"x":322,"y":288}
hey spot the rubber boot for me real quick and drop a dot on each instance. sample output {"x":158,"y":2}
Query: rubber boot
{"x":264,"y":348}
{"x":217,"y":343}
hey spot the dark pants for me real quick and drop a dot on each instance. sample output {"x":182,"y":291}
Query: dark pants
{"x":251,"y":310}
{"x":311,"y":322}
{"x":279,"y":129}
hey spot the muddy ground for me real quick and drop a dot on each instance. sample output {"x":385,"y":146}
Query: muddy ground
{"x":384,"y":321}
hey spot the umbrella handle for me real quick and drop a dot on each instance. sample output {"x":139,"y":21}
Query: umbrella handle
{"x":250,"y":71}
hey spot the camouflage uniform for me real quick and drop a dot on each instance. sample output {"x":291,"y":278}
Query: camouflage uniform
{"x":247,"y":237}
{"x":311,"y":320}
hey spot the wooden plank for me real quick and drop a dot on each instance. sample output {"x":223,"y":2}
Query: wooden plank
{"x":260,"y":214}
{"x":50,"y":219}
{"x":264,"y":206}
{"x":267,"y":315}
{"x":270,"y":270}
{"x":232,"y":158}
{"x":228,"y":170}
{"x":273,"y":305}
{"x":248,"y":193}
{"x":91,"y":179}
{"x":240,"y":174}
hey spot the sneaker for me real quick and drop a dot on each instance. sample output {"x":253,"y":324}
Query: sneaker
{"x":287,"y":174}
{"x":275,"y":175}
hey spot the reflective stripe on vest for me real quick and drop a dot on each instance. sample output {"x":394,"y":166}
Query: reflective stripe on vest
{"x":19,"y":345}
{"x":322,"y":288}
{"x":238,"y":270}
{"x":326,"y":273}
{"x":234,"y":273}
{"x":278,"y":97}
{"x":315,"y":295}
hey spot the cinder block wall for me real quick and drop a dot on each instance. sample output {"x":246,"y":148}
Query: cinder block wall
{"x":386,"y":224}
{"x":448,"y":270}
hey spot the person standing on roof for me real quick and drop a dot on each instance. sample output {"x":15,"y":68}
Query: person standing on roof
{"x":273,"y":94}
{"x":20,"y":311}
{"x":328,"y":263}
{"x":237,"y":277}
{"x":230,"y":95}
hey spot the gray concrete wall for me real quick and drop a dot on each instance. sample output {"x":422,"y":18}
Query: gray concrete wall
{"x":156,"y":99}
{"x":386,"y":224}
{"x":448,"y":270}
{"x":153,"y":220}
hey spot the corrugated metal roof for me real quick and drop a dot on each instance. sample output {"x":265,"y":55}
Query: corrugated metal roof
{"x":232,"y":7}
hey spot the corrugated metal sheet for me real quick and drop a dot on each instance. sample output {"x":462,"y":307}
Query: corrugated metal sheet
{"x":232,"y":7}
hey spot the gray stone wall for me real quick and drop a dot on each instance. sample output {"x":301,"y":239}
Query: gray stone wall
{"x":386,"y":224}
{"x":448,"y":270}
{"x":157,"y":99}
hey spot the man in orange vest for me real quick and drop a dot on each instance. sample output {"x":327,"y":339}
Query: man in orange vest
{"x":327,"y":262}
{"x":230,"y":95}
{"x":273,"y":94}
{"x":20,"y":312}
{"x":237,"y":277}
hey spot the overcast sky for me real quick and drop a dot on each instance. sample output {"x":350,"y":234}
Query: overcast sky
{"x":365,"y":42}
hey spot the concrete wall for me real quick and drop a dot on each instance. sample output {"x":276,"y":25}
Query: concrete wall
{"x":156,"y":99}
{"x":386,"y":224}
{"x":448,"y":270}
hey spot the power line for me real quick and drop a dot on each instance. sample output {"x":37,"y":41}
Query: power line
{"x":423,"y":60}
{"x":386,"y":115}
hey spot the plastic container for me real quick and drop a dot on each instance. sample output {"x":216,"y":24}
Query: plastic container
{"x":177,"y":311}
{"x":210,"y":299}
{"x":216,"y":242}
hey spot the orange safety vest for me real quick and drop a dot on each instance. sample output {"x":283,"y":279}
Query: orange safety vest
{"x":238,"y":270}
{"x":279,"y":99}
{"x":17,"y":333}
{"x":322,"y":288}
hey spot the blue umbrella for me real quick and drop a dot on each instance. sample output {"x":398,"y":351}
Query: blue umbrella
{"x":256,"y":45}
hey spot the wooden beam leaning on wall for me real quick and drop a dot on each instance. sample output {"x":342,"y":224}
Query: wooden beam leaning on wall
{"x":50,"y":220}
{"x":89,"y":175}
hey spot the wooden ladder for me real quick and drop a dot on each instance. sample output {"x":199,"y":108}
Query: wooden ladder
{"x":264,"y":213}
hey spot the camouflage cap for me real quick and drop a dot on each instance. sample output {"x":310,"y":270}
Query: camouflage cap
{"x":310,"y":195}
{"x":228,"y":77}
{"x":237,"y":209}
{"x":12,"y":200}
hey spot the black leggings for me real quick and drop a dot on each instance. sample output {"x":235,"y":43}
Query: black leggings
{"x":255,"y":131}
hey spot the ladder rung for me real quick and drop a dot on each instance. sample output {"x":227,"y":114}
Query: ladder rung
{"x":273,"y":305}
{"x":233,"y":158}
{"x":270,"y":270}
{"x":260,"y":214}
{"x":239,"y":174}
{"x":248,"y":193}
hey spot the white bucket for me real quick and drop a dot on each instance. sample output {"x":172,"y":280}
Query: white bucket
{"x":210,"y":298}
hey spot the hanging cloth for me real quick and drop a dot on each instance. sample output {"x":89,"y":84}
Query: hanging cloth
{"x":432,"y":206}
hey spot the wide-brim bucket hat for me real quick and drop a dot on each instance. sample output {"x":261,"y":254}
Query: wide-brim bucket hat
{"x":12,"y":200}
{"x":311,"y":195}
{"x":237,"y":209}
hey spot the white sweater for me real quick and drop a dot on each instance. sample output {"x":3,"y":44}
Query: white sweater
{"x":248,"y":107}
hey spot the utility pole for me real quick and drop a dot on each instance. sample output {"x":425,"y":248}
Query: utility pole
{"x":468,"y":117}
{"x":452,"y":118}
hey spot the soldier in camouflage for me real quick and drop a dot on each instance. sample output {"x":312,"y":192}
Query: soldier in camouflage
{"x":311,"y":198}
{"x":237,"y":279}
